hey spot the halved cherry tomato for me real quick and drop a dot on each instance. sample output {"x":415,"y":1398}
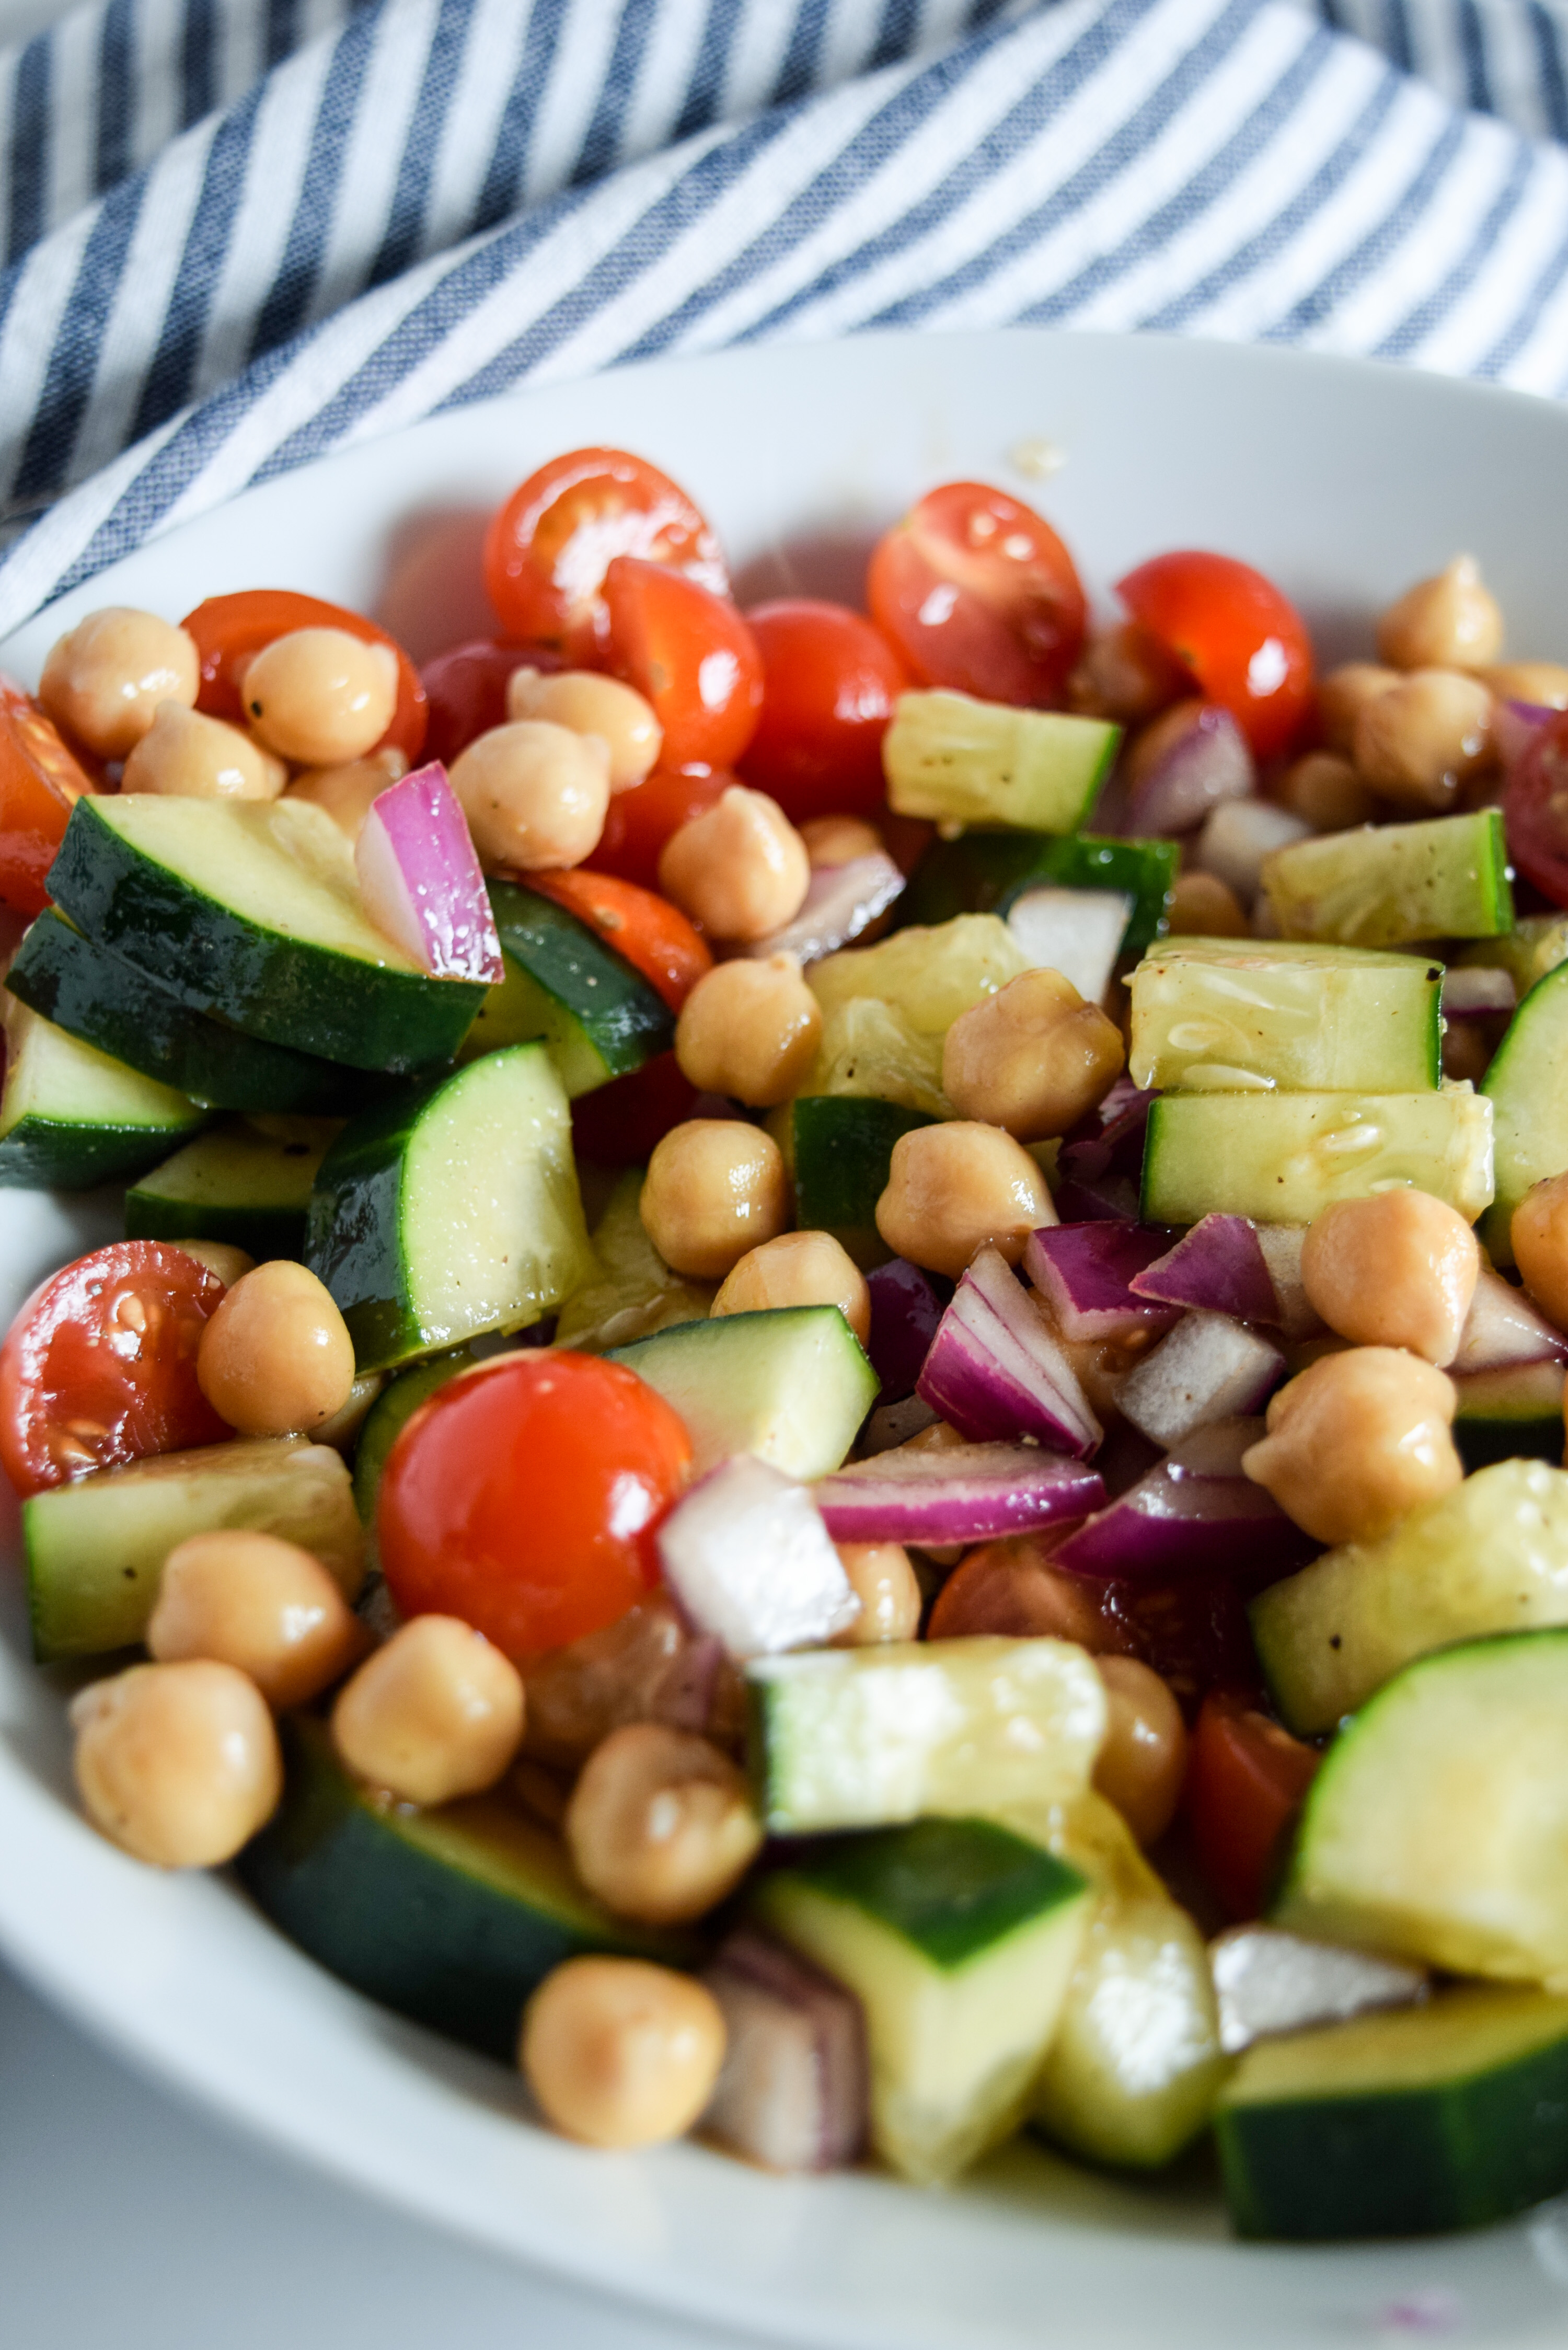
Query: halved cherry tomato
{"x":523,"y":1497}
{"x":653,"y":936}
{"x":1535,"y":811}
{"x":829,"y":683}
{"x":548,"y":549}
{"x":466,"y":689}
{"x":1246,"y":1778}
{"x":640,"y":821}
{"x":975,"y":591}
{"x":1242,"y":643}
{"x":229,"y":630}
{"x":691,"y":653}
{"x":40,"y":782}
{"x":619,"y":1125}
{"x":99,"y":1365}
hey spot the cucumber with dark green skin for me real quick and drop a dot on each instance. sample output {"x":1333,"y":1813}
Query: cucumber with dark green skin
{"x":983,"y":872}
{"x":387,"y":1418}
{"x":841,"y":1147}
{"x":238,"y":1183}
{"x":451,"y":1917}
{"x":1506,"y":1414}
{"x":599,"y":1018}
{"x":251,"y":912}
{"x":71,"y":1118}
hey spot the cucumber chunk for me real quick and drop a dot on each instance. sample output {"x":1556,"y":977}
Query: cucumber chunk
{"x":1508,"y":1414}
{"x":1387,"y":884}
{"x":1528,"y":1104}
{"x":989,"y":872}
{"x":453,"y":1211}
{"x":1222,"y":1016}
{"x":960,"y":1939}
{"x":848,"y":1738}
{"x":634,"y":1292}
{"x":792,"y":1384}
{"x":1445,"y":2115}
{"x":599,"y":1018}
{"x":869,"y":1050}
{"x":1491,"y":1556}
{"x":841,"y":1151}
{"x":1536,"y":944}
{"x":952,"y":757}
{"x":1282,"y":1158}
{"x":95,"y":1549}
{"x":930,"y":975}
{"x":71,"y":1118}
{"x":1436,"y":1829}
{"x":245,"y":1182}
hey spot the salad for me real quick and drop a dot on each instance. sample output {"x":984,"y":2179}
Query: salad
{"x":834,"y":1398}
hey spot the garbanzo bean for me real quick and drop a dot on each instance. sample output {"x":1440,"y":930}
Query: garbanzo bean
{"x":1034,"y":1057}
{"x":262,"y":1605}
{"x":104,"y":681}
{"x":798,"y":1269}
{"x":1126,"y":674}
{"x":435,"y":1714}
{"x":189,"y":756}
{"x":345,"y":793}
{"x":883,"y":1580}
{"x":751,"y":1030}
{"x":178,"y":1763}
{"x":953,"y":1186}
{"x":739,"y":868}
{"x":1539,"y":1231}
{"x":1325,"y":790}
{"x":832,"y":840}
{"x":591,"y":705}
{"x":275,"y":1358}
{"x":321,"y":696}
{"x":1544,"y":682}
{"x":1356,"y":1441}
{"x":1204,"y":907}
{"x":1141,"y":1766}
{"x":659,"y":1824}
{"x":1010,"y":1588}
{"x":1450,"y":621}
{"x":535,"y":795}
{"x":1342,"y":695}
{"x":1398,"y":1270}
{"x":1418,"y":742}
{"x":220,"y":1257}
{"x":715,"y":1188}
{"x":620,"y":2052}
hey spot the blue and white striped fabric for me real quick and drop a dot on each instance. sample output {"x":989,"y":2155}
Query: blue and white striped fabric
{"x":239,"y":234}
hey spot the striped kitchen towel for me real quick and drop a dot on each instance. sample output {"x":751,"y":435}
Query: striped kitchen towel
{"x":239,"y":234}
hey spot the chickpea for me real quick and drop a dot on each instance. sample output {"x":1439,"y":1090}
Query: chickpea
{"x":223,"y":1261}
{"x":590,"y":705}
{"x":1033,"y":1058}
{"x":1357,"y":1441}
{"x":321,"y":696}
{"x":620,"y":2052}
{"x":275,"y":1358}
{"x":952,"y":1187}
{"x":1149,"y":748}
{"x":1418,"y":742}
{"x":1343,"y":695}
{"x":1325,"y":790}
{"x":798,"y":1269}
{"x":177,"y":1764}
{"x":884,"y":1581}
{"x":1010,"y":1588}
{"x":715,"y":1188}
{"x":1125,"y":674}
{"x":190,"y":757}
{"x":659,"y":1824}
{"x":262,"y":1605}
{"x":434,"y":1714}
{"x":1545,"y":683}
{"x":345,"y":793}
{"x":739,"y":868}
{"x":832,"y":840}
{"x":751,"y":1030}
{"x":106,"y":679}
{"x":1450,"y":621}
{"x":1143,"y":1761}
{"x":1398,"y":1270}
{"x":1204,"y":907}
{"x":1540,"y":1235}
{"x":535,"y":795}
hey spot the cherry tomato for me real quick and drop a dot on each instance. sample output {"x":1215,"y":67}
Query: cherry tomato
{"x":466,"y":689}
{"x":975,"y":591}
{"x":653,"y":936}
{"x":99,"y":1365}
{"x":40,"y":782}
{"x":523,"y":1497}
{"x":691,"y":653}
{"x":619,"y":1125}
{"x":229,"y":630}
{"x":640,"y":821}
{"x":1535,"y":811}
{"x":829,"y":683}
{"x":548,"y":550}
{"x":1242,"y":643}
{"x":1245,"y":1781}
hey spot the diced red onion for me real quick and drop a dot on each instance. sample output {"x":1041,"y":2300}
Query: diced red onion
{"x":420,"y":881}
{"x":1209,"y":762}
{"x":995,"y":1370}
{"x":1078,"y":932}
{"x":1196,"y":1511}
{"x":1109,"y":1199}
{"x":1470,"y":990}
{"x":1219,"y":1265}
{"x":1109,"y":1141}
{"x":1505,"y":1326}
{"x":795,"y":2089}
{"x":1295,"y":1315}
{"x":1087,"y":1273}
{"x":1515,"y":726}
{"x":959,"y":1493}
{"x":1267,"y":1981}
{"x":842,"y":901}
{"x":1237,"y":837}
{"x":1210,"y":1367}
{"x":748,"y":1558}
{"x":905,"y":1312}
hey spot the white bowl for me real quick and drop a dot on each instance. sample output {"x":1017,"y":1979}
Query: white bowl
{"x":1345,"y":481}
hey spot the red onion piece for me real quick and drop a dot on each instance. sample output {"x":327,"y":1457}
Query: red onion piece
{"x":995,"y":1370}
{"x":905,"y":1312}
{"x":1210,"y":1368}
{"x":1295,"y":1315}
{"x":1505,"y":1326}
{"x":1196,"y":1512}
{"x":748,"y":1558}
{"x":842,"y":901}
{"x":1087,"y":1274}
{"x":1515,"y":726}
{"x":1219,"y":1265}
{"x":959,"y":1493}
{"x":1474,"y":989}
{"x":1109,"y":1141}
{"x":420,"y":881}
{"x":1209,"y":762}
{"x":795,"y":2090}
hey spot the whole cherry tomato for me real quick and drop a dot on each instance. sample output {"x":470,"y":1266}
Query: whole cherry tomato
{"x":975,"y":591}
{"x":692,"y":656}
{"x":620,"y":1124}
{"x":99,"y":1365}
{"x":1242,"y":643}
{"x":1246,"y":1778}
{"x":522,"y":1497}
{"x":231,"y":629}
{"x":548,"y":549}
{"x":40,"y":782}
{"x":466,"y":689}
{"x":651,"y":934}
{"x":829,"y":683}
{"x":640,"y":821}
{"x":1535,"y":810}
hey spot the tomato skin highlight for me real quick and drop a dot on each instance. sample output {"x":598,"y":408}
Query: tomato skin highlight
{"x":640,"y":821}
{"x":1243,"y":644}
{"x":829,"y":683}
{"x":523,"y":1498}
{"x":99,"y":1365}
{"x":40,"y":782}
{"x":1535,"y":811}
{"x":690,"y":654}
{"x":643,"y":927}
{"x":230,"y":630}
{"x":466,"y":689}
{"x":975,"y":591}
{"x":1246,"y":1778}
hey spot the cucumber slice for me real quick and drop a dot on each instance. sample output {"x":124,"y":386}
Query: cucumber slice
{"x":451,"y":1917}
{"x":599,"y":1018}
{"x":95,"y":1549}
{"x":989,"y":872}
{"x":1447,"y":2116}
{"x":635,"y":1292}
{"x":453,"y":1211}
{"x":841,"y":1150}
{"x":1528,"y":1104}
{"x":1388,"y":883}
{"x":71,"y":1118}
{"x":386,"y":1420}
{"x":948,"y":756}
{"x":246,"y":1183}
{"x":960,"y":1939}
{"x":252,"y":912}
{"x":848,"y":1738}
{"x":1282,"y":1158}
{"x":1536,"y":944}
{"x":1436,"y":1829}
{"x":792,"y":1384}
{"x":1220,"y":1016}
{"x":1491,"y":1556}
{"x":107,"y":1002}
{"x":1509,"y":1414}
